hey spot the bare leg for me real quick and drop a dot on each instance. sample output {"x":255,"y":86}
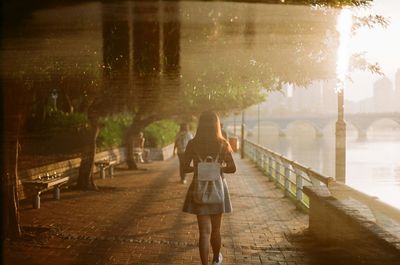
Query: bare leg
{"x":204,"y":237}
{"x":216,"y":235}
{"x":181,"y":172}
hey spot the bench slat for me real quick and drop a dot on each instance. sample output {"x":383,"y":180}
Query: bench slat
{"x":46,"y":183}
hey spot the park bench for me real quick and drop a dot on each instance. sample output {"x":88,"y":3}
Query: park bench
{"x":106,"y":164}
{"x":45,"y":183}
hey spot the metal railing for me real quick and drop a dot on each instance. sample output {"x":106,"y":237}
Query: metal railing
{"x":291,"y":176}
{"x":287,"y":174}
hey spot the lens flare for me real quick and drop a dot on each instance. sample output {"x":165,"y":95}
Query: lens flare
{"x":343,"y":26}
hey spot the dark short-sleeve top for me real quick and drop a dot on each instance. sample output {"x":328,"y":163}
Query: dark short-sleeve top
{"x":198,"y":150}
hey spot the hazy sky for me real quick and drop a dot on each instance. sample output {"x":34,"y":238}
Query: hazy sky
{"x":381,"y":44}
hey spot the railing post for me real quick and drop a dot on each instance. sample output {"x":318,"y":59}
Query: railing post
{"x":249,"y":151}
{"x":259,"y":158}
{"x":266,"y":164}
{"x":263,"y":162}
{"x":270,"y":167}
{"x":299,"y":186}
{"x":287,"y":179}
{"x":276,"y":167}
{"x":242,"y":137}
{"x":277,"y":173}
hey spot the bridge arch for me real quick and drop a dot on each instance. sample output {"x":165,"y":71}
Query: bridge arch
{"x":360,"y":121}
{"x":396,"y":121}
{"x":363,"y":127}
{"x":318,"y":130}
{"x":269,"y":124}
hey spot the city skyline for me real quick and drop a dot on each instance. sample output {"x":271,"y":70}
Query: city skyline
{"x":320,"y":97}
{"x":384,"y":51}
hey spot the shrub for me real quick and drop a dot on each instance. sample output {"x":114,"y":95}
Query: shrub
{"x":161,"y":133}
{"x":112,"y":133}
{"x":64,"y":120}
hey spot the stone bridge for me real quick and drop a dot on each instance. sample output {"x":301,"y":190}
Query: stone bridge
{"x":361,"y":121}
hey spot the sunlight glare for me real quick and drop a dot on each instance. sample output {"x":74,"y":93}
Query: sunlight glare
{"x":343,"y":26}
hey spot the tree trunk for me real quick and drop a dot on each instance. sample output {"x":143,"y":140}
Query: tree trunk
{"x":69,"y":107}
{"x":129,"y":142}
{"x":85,"y":178}
{"x":11,"y":222}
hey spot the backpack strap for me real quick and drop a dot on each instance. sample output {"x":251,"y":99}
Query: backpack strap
{"x":201,"y":160}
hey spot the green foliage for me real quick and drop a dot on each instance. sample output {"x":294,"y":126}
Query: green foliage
{"x":161,"y":133}
{"x":63,"y":120}
{"x":113,"y":130}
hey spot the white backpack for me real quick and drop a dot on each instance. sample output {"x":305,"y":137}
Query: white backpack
{"x":208,"y":187}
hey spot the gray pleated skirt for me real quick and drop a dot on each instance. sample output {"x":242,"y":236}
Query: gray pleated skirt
{"x":190,"y":206}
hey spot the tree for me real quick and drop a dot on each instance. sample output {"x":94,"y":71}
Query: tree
{"x":130,"y":77}
{"x":15,"y":110}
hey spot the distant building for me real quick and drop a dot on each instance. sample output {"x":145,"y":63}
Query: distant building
{"x":320,"y":98}
{"x":383,"y":95}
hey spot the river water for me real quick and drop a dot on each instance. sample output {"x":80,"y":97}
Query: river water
{"x":372,"y":164}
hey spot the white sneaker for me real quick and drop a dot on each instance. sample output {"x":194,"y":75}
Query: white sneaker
{"x":219,"y":260}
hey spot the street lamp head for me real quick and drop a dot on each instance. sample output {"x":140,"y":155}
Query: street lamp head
{"x":54,"y":93}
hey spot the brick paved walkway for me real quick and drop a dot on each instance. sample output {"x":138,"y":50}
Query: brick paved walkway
{"x":136,"y":218}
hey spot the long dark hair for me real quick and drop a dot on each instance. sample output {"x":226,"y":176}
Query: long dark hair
{"x":209,"y":130}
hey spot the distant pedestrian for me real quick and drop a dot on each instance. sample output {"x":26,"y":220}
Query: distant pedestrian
{"x":138,"y":147}
{"x":181,"y":141}
{"x":208,"y":143}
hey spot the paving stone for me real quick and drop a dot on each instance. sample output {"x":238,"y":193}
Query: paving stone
{"x":136,"y":218}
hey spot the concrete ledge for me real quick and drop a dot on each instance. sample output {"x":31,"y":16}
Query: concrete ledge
{"x":161,"y":153}
{"x":345,"y":221}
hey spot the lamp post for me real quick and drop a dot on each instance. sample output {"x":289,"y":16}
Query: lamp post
{"x":242,"y":137}
{"x":234,"y":124}
{"x":343,"y":26}
{"x":54,"y":96}
{"x":258,"y":124}
{"x":340,"y":145}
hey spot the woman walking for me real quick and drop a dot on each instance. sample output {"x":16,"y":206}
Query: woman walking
{"x":208,"y":142}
